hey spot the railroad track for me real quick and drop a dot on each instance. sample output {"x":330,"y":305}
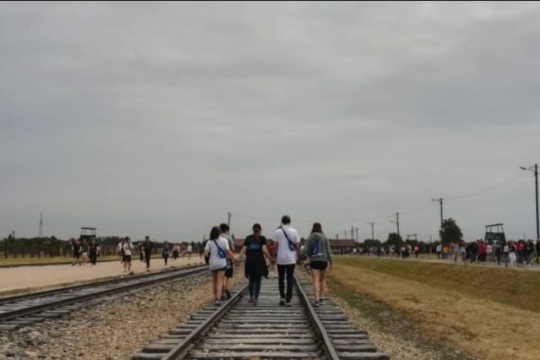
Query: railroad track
{"x":23,"y":310}
{"x":241,"y":330}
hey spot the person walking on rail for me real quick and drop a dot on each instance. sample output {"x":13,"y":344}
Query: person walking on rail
{"x":229,"y":272}
{"x":317,"y":249}
{"x":147,"y":248}
{"x":217,"y":249}
{"x":287,"y":241}
{"x":255,"y":250}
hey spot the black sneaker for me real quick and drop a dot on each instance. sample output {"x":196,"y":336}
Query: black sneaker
{"x":288,"y":304}
{"x":228,"y":294}
{"x":223,"y":298}
{"x":316,"y":304}
{"x":282,"y":302}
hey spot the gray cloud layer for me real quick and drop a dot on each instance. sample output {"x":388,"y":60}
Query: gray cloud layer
{"x":159,"y":118}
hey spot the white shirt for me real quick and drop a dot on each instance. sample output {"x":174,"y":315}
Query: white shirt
{"x":215,"y":262}
{"x":284,"y":254}
{"x":189,"y":248}
{"x":127,"y":249}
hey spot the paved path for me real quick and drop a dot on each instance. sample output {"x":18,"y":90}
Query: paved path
{"x":36,"y":277}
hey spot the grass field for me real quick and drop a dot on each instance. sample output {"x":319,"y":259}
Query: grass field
{"x":488,"y":312}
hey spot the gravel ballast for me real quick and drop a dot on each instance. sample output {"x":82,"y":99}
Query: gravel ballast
{"x":119,"y":328}
{"x":114,"y":329}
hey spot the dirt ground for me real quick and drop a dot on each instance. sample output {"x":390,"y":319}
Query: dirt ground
{"x":19,"y":279}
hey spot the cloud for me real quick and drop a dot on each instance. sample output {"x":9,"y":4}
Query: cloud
{"x":160,"y":118}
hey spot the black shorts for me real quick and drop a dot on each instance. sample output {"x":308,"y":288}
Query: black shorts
{"x":229,"y":272}
{"x":222,"y":269}
{"x":318,"y":265}
{"x":126,"y":258}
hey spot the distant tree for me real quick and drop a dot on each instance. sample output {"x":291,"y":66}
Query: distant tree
{"x":451,"y":232}
{"x":371,"y":243}
{"x":394,"y":239}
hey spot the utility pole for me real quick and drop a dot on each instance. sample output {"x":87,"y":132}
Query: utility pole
{"x":535,"y":170}
{"x":356,"y":235}
{"x":372,"y":230}
{"x":352,"y":232}
{"x":397,"y":222}
{"x":536,"y":192}
{"x":440,"y":201}
{"x":229,"y":221}
{"x":41,"y":225}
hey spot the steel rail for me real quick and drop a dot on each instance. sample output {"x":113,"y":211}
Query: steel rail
{"x":66,"y":289}
{"x":181,"y":350}
{"x":319,"y":327}
{"x":53,"y":304}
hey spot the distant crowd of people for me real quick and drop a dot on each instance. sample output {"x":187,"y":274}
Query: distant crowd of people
{"x":514,"y":253}
{"x":510,"y":253}
{"x":83,"y":252}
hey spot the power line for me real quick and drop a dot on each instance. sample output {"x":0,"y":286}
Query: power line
{"x":487,"y":188}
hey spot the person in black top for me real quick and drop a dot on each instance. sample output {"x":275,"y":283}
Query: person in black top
{"x":75,"y":251}
{"x":92,"y":250}
{"x":255,"y":268}
{"x":147,"y":247}
{"x":165,"y":252}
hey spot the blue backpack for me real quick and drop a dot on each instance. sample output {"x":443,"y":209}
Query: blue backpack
{"x":315,"y":247}
{"x":221,"y":253}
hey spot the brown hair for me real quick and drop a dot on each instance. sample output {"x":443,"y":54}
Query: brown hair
{"x":317,"y":228}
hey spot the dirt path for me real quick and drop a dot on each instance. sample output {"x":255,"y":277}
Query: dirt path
{"x":38,"y":277}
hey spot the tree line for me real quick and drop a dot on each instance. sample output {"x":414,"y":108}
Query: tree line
{"x":451,"y":233}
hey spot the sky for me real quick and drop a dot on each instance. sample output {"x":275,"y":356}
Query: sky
{"x":161,"y":118}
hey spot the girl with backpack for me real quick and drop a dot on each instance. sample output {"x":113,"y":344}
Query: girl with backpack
{"x":216,"y":249}
{"x":318,"y":251}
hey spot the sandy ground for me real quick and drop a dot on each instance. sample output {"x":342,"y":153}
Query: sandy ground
{"x":38,"y":277}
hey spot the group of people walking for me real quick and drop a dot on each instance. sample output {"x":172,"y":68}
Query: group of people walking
{"x":81,"y":252}
{"x":285,"y":252}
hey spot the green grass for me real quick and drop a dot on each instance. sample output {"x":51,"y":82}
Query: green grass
{"x":518,"y":288}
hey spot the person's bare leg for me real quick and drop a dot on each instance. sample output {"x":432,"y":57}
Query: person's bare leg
{"x":315,"y":276}
{"x":322,"y":287}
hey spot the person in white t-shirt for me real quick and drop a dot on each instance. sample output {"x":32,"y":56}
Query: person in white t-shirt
{"x":126,"y":254}
{"x":189,"y":250}
{"x":217,"y":249}
{"x":287,"y":242}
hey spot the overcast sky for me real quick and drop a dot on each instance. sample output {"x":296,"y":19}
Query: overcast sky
{"x":160,"y":118}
